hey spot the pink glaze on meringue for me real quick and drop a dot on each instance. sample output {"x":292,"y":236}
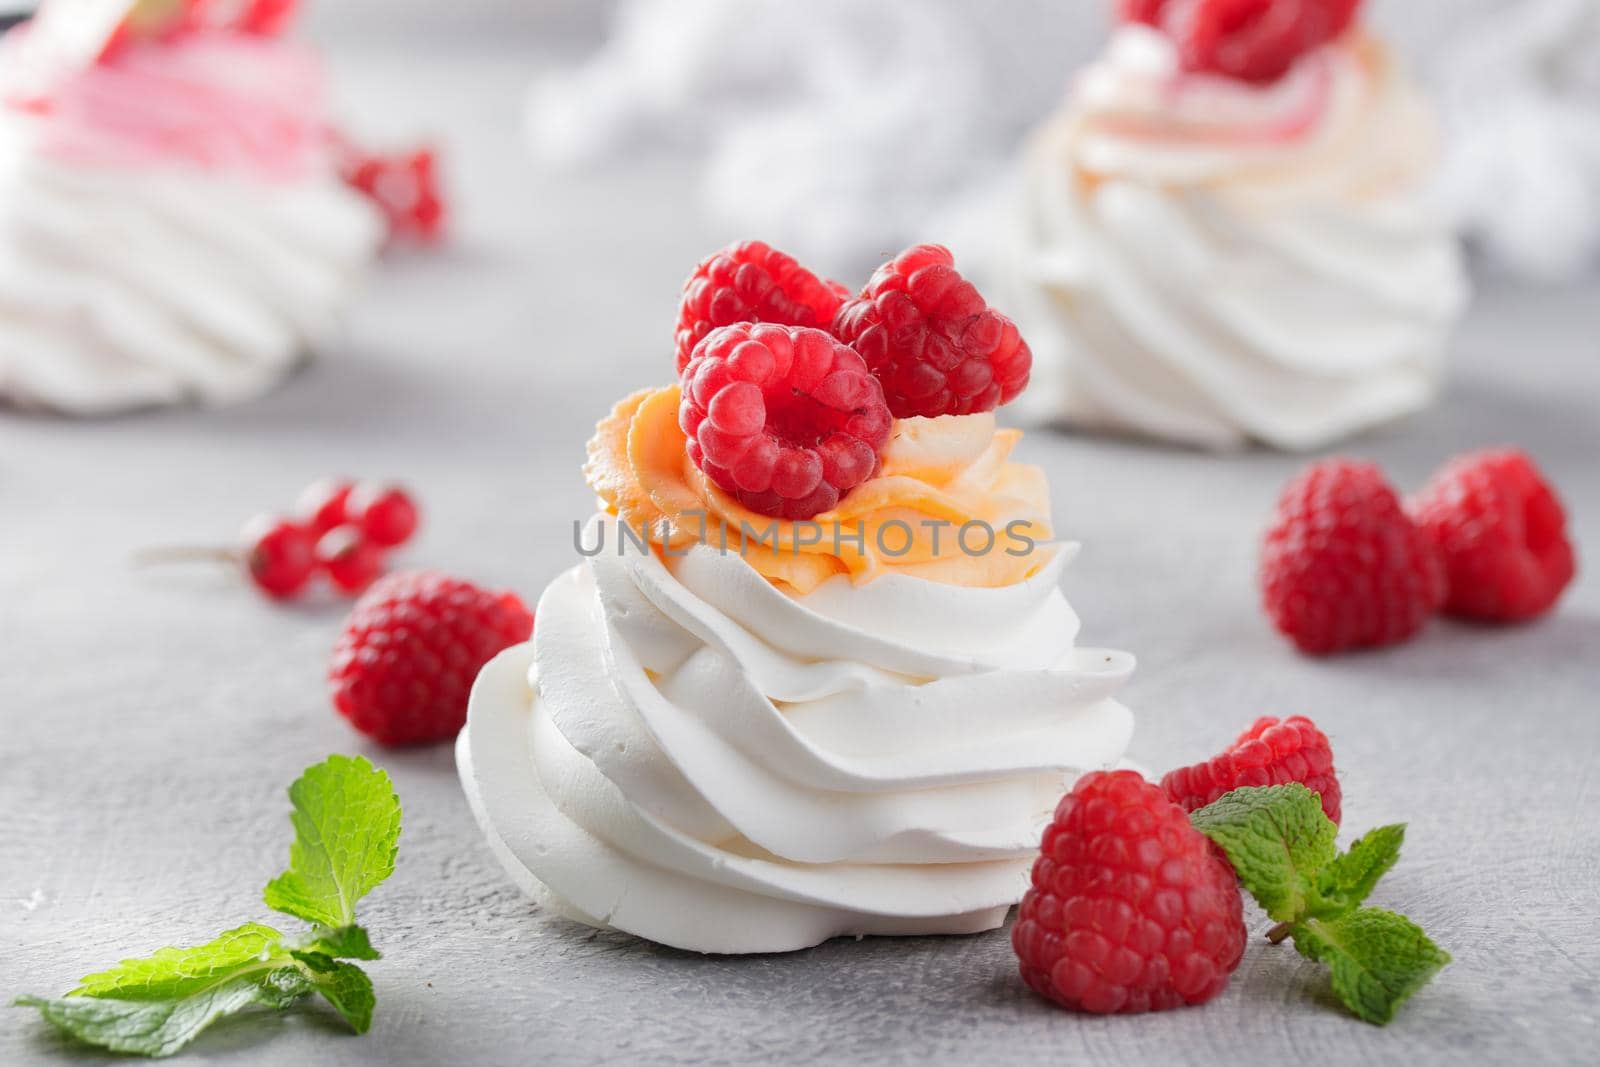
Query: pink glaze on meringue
{"x":209,"y":98}
{"x":1178,"y":107}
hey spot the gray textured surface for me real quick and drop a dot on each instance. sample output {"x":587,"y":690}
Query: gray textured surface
{"x":149,"y":721}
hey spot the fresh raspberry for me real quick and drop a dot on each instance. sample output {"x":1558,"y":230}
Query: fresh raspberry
{"x":785,"y":418}
{"x":409,"y":652}
{"x":752,"y":282}
{"x":1342,"y":566}
{"x":1269,"y":753}
{"x":1131,"y":908}
{"x":931,"y":340}
{"x":1501,"y":532}
{"x":1253,"y":40}
{"x":404,"y":187}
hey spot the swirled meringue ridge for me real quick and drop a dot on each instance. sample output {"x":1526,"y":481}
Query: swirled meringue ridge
{"x":690,"y":753}
{"x":1213,"y":262}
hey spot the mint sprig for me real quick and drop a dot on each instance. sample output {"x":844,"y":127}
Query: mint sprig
{"x":1282,"y":847}
{"x":347,"y":829}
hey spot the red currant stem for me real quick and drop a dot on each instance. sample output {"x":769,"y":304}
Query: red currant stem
{"x":147,"y":557}
{"x":1279,"y":932}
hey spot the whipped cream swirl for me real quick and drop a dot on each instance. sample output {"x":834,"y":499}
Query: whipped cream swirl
{"x":1211,"y":262}
{"x":687,"y":753}
{"x":172,"y":227}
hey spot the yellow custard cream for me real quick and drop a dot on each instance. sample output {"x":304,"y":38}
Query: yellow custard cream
{"x":938,"y":475}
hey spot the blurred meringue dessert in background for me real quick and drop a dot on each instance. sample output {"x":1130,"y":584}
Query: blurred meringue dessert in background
{"x":1226,"y":235}
{"x":815,"y":675}
{"x":173,"y":224}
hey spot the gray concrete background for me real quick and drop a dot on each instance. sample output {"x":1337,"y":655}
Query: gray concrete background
{"x":149,"y":721}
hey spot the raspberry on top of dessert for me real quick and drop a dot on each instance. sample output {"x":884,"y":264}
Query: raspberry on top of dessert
{"x":872,"y":448}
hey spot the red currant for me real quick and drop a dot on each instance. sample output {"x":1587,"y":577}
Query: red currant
{"x":404,"y":187}
{"x":323,"y":505}
{"x":279,"y":554}
{"x":385,"y":512}
{"x":351,"y":561}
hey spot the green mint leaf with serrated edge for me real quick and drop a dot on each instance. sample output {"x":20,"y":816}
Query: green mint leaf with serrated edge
{"x":163,"y":1026}
{"x":341,"y":943}
{"x":1350,"y":878}
{"x":1281,"y":846}
{"x":1377,"y":958}
{"x":170,"y":973}
{"x":1277,"y":839}
{"x":345,"y":986}
{"x":347,"y":825}
{"x":347,"y":831}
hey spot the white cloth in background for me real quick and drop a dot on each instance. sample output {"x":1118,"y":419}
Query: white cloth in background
{"x":838,"y":130}
{"x":832,"y":128}
{"x":1519,"y":86}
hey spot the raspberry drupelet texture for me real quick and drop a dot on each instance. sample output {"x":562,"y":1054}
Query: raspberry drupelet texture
{"x":1269,"y":753}
{"x":752,"y":282}
{"x":785,"y":418}
{"x":408,"y":655}
{"x":1342,"y":566}
{"x":1131,"y":908}
{"x":1502,"y":534}
{"x":932,"y":341}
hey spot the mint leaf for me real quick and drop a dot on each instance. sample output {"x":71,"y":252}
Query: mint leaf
{"x":1377,"y":959}
{"x":345,"y":986}
{"x":347,"y":829}
{"x":344,"y":942}
{"x":162,"y":1027}
{"x":1277,"y":839}
{"x":1281,"y":846}
{"x":171,"y":973}
{"x":1348,"y":880}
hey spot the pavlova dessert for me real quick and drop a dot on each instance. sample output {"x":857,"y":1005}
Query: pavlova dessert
{"x":815,"y":674}
{"x":173,"y":221}
{"x":1224,"y":236}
